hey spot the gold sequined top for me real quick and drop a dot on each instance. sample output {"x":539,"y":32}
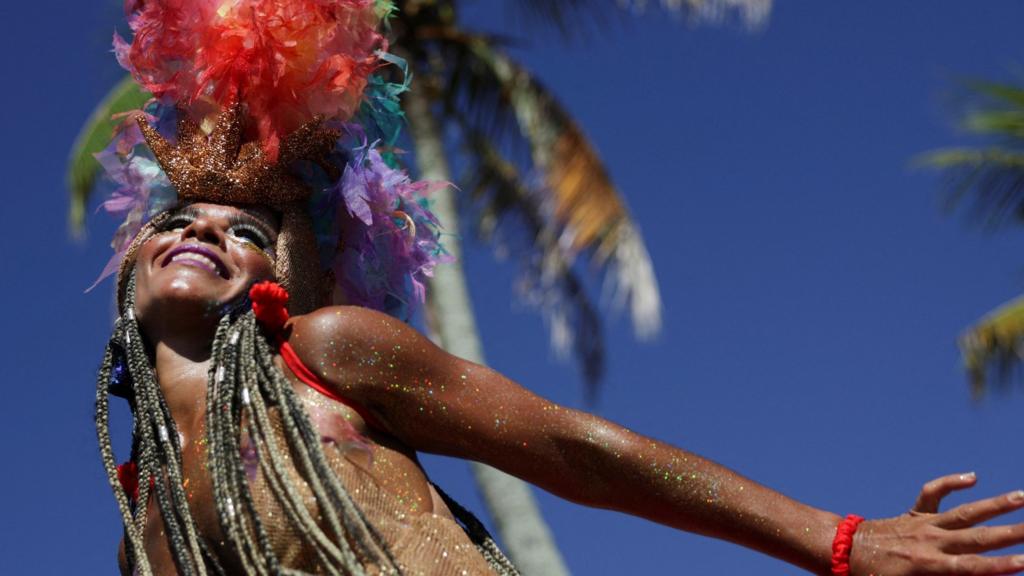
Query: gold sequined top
{"x":428,"y":543}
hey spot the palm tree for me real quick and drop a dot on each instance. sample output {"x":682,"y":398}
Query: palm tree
{"x":989,"y":178}
{"x":502,"y":125}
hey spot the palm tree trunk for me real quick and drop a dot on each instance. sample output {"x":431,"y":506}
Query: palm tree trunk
{"x":510,"y":502}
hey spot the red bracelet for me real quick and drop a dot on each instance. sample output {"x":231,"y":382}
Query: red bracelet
{"x":843,"y":544}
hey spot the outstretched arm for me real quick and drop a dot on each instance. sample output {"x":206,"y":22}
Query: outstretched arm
{"x":438,"y":403}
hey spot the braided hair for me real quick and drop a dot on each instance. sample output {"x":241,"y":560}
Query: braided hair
{"x":243,"y":385}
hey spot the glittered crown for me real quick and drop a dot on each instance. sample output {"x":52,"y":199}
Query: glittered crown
{"x":220,"y":168}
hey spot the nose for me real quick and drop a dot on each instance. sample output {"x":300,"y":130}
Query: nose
{"x":206,"y":230}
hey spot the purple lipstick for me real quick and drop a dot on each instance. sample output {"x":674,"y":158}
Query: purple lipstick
{"x":198,"y":256}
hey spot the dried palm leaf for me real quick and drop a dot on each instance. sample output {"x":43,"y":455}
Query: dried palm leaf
{"x":548,"y":282}
{"x":581,"y":203}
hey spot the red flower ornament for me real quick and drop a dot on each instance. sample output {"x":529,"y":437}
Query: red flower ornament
{"x":269,"y":301}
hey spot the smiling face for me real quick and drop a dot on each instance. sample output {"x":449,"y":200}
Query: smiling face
{"x":202,"y":257}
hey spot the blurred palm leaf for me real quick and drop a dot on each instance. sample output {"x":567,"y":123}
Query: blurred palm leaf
{"x":95,"y":135}
{"x":569,"y":17}
{"x":993,"y":348}
{"x":577,"y":205}
{"x":549,"y":282}
{"x":990,"y":180}
{"x":752,"y":14}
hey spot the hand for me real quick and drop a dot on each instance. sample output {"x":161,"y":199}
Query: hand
{"x":926,"y":542}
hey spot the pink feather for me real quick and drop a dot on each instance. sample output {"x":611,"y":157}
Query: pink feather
{"x":287,"y":60}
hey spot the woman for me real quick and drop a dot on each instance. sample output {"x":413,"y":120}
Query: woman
{"x":264,"y":443}
{"x":206,"y":256}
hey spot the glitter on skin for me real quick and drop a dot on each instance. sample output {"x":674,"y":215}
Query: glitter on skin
{"x":433,"y":402}
{"x":427,"y":400}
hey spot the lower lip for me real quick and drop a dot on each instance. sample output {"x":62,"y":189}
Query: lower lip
{"x":196,"y":264}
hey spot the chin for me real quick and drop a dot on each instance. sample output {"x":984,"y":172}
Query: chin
{"x":185,"y":292}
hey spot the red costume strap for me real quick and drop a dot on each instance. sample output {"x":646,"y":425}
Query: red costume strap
{"x":291,"y":359}
{"x":842,"y":545}
{"x":268,"y":304}
{"x":128,"y":476}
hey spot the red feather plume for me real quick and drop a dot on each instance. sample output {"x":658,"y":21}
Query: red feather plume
{"x":286,"y":60}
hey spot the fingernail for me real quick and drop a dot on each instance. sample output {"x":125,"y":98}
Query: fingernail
{"x":968,"y":476}
{"x":1018,"y":560}
{"x":1017,"y":497}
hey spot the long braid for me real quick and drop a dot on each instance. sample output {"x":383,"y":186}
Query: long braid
{"x":248,"y":353}
{"x":239,"y":353}
{"x":275,"y":468}
{"x":311,"y":455}
{"x":153,"y":418}
{"x":244,"y":386}
{"x":133,"y":540}
{"x":221,"y":419}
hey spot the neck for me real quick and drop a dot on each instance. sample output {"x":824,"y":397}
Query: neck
{"x":182,"y":380}
{"x":182,"y":364}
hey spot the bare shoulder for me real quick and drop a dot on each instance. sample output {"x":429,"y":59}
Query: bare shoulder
{"x":428,"y":399}
{"x":350,"y":346}
{"x":348,"y":323}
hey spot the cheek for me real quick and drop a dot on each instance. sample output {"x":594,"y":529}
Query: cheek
{"x":146,"y":291}
{"x":256,"y":263}
{"x":143,"y":263}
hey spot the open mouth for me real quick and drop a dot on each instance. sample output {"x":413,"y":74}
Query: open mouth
{"x":197,"y":256}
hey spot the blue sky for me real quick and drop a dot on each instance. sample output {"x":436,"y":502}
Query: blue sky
{"x":814,"y":289}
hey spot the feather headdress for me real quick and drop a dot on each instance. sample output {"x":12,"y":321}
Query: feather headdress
{"x":282,"y":103}
{"x":288,"y":60}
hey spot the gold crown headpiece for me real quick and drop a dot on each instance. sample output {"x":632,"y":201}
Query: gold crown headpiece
{"x":220,"y":168}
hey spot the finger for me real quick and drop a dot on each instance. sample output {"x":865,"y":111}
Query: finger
{"x":983,"y":539}
{"x":972,"y":565}
{"x":933,"y":492}
{"x":972,"y":513}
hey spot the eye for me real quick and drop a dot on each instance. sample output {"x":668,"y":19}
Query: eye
{"x":177,"y":222}
{"x":251,"y":235}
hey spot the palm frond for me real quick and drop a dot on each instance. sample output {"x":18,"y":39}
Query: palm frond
{"x":94,"y":136}
{"x":990,"y":177}
{"x":548,"y":282}
{"x":1003,"y":124}
{"x":752,"y":14}
{"x":497,"y":99}
{"x":989,"y":181}
{"x":582,"y":202}
{"x":996,"y":91}
{"x":994,"y":348}
{"x":571,"y":17}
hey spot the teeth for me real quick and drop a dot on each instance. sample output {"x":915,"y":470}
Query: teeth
{"x":197,"y":258}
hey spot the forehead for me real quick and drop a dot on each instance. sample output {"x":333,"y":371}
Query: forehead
{"x":264,"y":215}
